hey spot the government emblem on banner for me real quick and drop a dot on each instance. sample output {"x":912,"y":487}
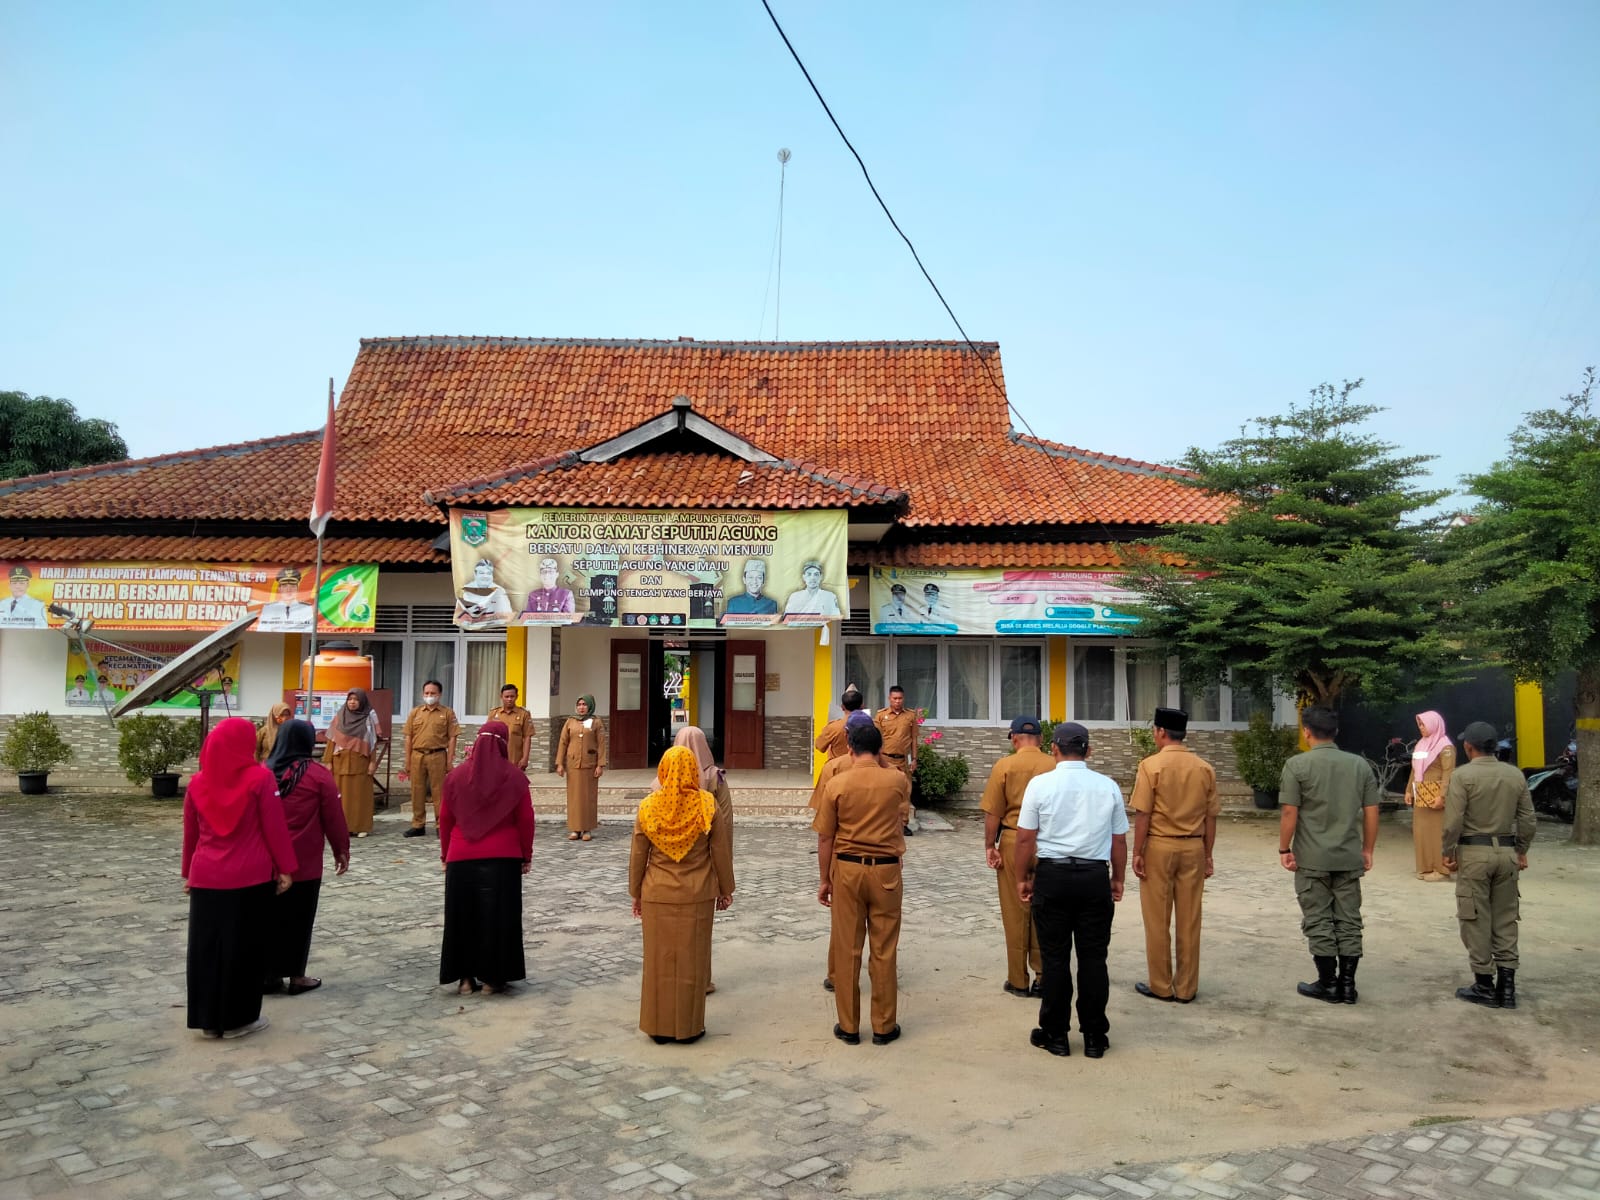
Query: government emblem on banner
{"x":474,"y":530}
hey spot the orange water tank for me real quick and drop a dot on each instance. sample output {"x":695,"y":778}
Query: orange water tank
{"x":340,"y":667}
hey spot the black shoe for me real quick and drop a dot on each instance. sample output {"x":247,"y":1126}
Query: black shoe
{"x":1060,"y":1048}
{"x":849,"y":1039}
{"x":827,"y":985}
{"x":883,"y":1039}
{"x":689,"y":1041}
{"x":1327,"y":985}
{"x":1144,"y":990}
{"x":1347,"y":978}
{"x":415,"y":831}
{"x":1013,"y":990}
{"x":1183,"y":1000}
{"x":908,"y":831}
{"x":1481,"y":992}
{"x":272,"y":987}
{"x":1505,"y":986}
{"x":1036,"y":988}
{"x":1095,"y":1046}
{"x":661,"y":1041}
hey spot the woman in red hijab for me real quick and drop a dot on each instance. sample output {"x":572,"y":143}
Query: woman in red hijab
{"x":236,"y":856}
{"x":486,"y":845}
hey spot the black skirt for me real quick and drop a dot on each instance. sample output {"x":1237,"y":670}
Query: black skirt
{"x":228,"y":930}
{"x":293,"y":914}
{"x":482,"y":921}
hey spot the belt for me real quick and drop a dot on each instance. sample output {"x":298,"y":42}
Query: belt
{"x":1506,"y":841}
{"x":886,"y":754}
{"x":865,"y":860}
{"x":1073,"y":862}
{"x":439,"y":750}
{"x":1177,"y":836}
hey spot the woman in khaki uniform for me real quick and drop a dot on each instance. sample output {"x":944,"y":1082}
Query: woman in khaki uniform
{"x":351,"y":754}
{"x":712,"y":779}
{"x":680,"y":874}
{"x":1432,"y":761}
{"x":267,"y":735}
{"x":581,"y":758}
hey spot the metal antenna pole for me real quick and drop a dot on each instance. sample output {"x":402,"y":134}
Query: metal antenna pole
{"x":783,"y":171}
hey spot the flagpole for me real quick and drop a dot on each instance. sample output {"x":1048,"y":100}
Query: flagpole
{"x":320,"y":525}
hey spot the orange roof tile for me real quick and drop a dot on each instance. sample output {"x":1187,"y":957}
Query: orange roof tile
{"x":215,"y":548}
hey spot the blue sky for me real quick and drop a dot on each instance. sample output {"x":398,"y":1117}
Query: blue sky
{"x":1172,"y":217}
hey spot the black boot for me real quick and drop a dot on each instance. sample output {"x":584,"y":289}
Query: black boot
{"x":1481,"y":992}
{"x":1505,"y":987}
{"x":1327,"y":985}
{"x":1347,"y":978}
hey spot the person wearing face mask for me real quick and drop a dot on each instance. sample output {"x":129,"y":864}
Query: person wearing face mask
{"x":431,"y":731}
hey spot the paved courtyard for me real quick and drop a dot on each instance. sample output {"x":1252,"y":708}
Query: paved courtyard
{"x":382,"y":1084}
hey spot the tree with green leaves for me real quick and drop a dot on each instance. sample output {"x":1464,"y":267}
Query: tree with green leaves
{"x":1324,"y":577}
{"x":1534,"y":545}
{"x":40,"y":434}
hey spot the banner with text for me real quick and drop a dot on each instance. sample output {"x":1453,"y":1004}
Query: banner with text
{"x":189,"y":596}
{"x":648,"y":568}
{"x":939,"y":600}
{"x":120,"y":669}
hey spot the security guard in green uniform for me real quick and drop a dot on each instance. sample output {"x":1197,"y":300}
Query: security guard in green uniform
{"x":1488,"y":826}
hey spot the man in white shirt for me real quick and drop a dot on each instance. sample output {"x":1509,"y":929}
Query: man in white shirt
{"x":20,"y":610}
{"x":1073,"y":819}
{"x":79,"y":694}
{"x":289,"y":613}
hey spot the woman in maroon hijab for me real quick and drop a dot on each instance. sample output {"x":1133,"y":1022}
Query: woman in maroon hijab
{"x":236,"y":856}
{"x":486,"y":845}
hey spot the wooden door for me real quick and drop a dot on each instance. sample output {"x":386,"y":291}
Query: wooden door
{"x":744,"y":711}
{"x":629,"y":719}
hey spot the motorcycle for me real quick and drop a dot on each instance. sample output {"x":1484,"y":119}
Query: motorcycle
{"x":1554,"y":786}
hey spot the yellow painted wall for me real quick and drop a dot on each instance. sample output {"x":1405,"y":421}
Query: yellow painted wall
{"x":517,"y":661}
{"x":1530,"y":724}
{"x":291,"y":661}
{"x":821,"y":694}
{"x":1058,"y":679}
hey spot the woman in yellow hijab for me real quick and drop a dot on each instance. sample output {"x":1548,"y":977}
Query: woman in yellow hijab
{"x":680,"y":874}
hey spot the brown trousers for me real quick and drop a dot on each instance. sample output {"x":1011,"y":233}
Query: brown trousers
{"x":1022,"y":944}
{"x":1427,"y":837}
{"x":427,"y":770}
{"x":866,"y":908}
{"x":1173,"y":884}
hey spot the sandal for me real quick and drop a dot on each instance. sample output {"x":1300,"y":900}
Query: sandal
{"x":299,"y":989}
{"x":572,"y":837}
{"x":587,"y":838}
{"x":467,"y":988}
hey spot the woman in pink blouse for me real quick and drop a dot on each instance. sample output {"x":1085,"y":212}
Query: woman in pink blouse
{"x":236,"y":855}
{"x":486,"y":845}
{"x":312,"y":808}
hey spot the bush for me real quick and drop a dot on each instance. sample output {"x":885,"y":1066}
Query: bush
{"x":33,"y":743}
{"x":152,"y":745}
{"x":938,"y":777}
{"x":1262,"y":750}
{"x":1144,"y":741}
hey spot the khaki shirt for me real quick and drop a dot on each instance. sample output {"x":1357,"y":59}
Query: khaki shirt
{"x":899,"y":733}
{"x":1178,"y":789}
{"x":519,"y":729}
{"x":1488,"y":796}
{"x":580,"y":747}
{"x":431,"y":729}
{"x":831,"y":741}
{"x":1002,"y":795}
{"x":863,"y":809}
{"x":1331,"y":788}
{"x":704,"y":873}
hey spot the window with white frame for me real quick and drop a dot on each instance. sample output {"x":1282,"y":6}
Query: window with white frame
{"x":973,"y":681}
{"x":415,"y":643}
{"x":1125,"y":681}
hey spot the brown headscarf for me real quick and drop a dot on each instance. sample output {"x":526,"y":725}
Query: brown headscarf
{"x":269,"y":730}
{"x":221,"y":787}
{"x":484,"y":792}
{"x":694,"y":737}
{"x":353,"y":730}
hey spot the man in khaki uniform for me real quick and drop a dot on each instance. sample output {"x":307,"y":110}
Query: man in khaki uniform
{"x":859,"y":845}
{"x":519,"y":726}
{"x":1175,"y":809}
{"x":831,"y":741}
{"x":1002,"y":801}
{"x":1488,"y":827}
{"x":1327,"y":832}
{"x":431,"y":730}
{"x":898,"y":725}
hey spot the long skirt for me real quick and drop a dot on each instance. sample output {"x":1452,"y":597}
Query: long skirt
{"x":583,"y":800}
{"x":482,"y":921}
{"x":293,"y":914}
{"x":355,"y":791}
{"x":227,"y":950}
{"x":677,"y":968}
{"x":1427,"y":838}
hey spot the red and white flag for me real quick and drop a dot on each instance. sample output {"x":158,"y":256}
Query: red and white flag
{"x":322,"y":505}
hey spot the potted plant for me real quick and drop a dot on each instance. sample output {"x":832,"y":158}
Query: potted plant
{"x":937,"y":777}
{"x":32,"y":746}
{"x":150,"y":746}
{"x":1261,"y":751}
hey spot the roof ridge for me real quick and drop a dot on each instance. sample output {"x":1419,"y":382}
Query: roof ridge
{"x":24,"y":483}
{"x":469,"y":340}
{"x":1097,"y":458}
{"x":510,"y":475}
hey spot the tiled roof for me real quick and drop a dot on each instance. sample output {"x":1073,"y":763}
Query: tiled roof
{"x":214,"y":548}
{"x":671,"y":480}
{"x":1087,"y":555}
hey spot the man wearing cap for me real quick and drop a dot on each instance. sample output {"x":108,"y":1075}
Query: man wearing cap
{"x":288,"y":613}
{"x":1002,"y":802}
{"x":519,"y":726}
{"x":1327,"y":831}
{"x":1175,"y":809}
{"x":897,"y":611}
{"x":1488,"y":827}
{"x":859,"y":845}
{"x":898,"y":725}
{"x":79,"y":693}
{"x":831,"y":741}
{"x":549,"y":596}
{"x":933,"y":608}
{"x":1072,"y":850}
{"x":20,"y":610}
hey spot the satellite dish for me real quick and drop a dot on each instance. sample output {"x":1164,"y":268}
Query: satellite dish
{"x":178,"y":676}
